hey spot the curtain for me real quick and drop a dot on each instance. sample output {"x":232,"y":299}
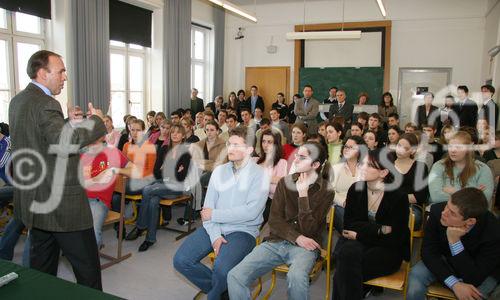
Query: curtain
{"x":89,"y":72}
{"x":177,"y":49}
{"x":219,"y":25}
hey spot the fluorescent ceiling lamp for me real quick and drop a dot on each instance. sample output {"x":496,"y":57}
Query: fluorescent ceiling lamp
{"x":324,"y":35}
{"x":382,"y":8}
{"x":234,"y":8}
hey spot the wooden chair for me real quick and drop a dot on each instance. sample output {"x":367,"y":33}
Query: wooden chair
{"x":188,"y":199}
{"x":420,"y":232}
{"x":437,"y":290}
{"x":114,"y":217}
{"x":318,"y":266}
{"x":399,"y":280}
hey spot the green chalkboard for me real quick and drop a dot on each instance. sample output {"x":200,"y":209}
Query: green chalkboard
{"x":352,"y":80}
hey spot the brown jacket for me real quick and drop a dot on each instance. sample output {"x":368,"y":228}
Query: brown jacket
{"x":217,"y":155}
{"x":292,"y":215}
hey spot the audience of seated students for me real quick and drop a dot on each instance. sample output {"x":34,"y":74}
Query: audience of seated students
{"x":459,"y":169}
{"x":299,"y":137}
{"x":171,"y":169}
{"x":175,"y":116}
{"x":218,"y":105}
{"x":277,"y":123}
{"x":427,"y":113}
{"x":489,"y":109}
{"x":393,"y":120}
{"x":265,"y":125}
{"x":322,"y":128}
{"x":199,"y":121}
{"x":232,"y":122}
{"x":297,"y":220}
{"x":414,"y":175}
{"x":209,"y":152}
{"x":461,"y":248}
{"x":393,"y":134}
{"x":375,"y":238}
{"x":385,"y":108}
{"x":150,"y":121}
{"x":162,"y":137}
{"x":344,"y":174}
{"x":257,"y":117}
{"x":221,"y":119}
{"x":125,"y":137}
{"x":423,"y":154}
{"x":247,"y":119}
{"x":333,"y":142}
{"x":429,"y":142}
{"x":231,"y":216}
{"x":188,"y":125}
{"x":363,"y":120}
{"x":100,"y":164}
{"x":271,"y":160}
{"x":444,"y":138}
{"x":355,"y":130}
{"x":410,"y":128}
{"x":374,"y":124}
{"x":112,"y":136}
{"x":494,"y":152}
{"x":233,"y":103}
{"x":315,"y":137}
{"x":201,"y":132}
{"x":371,"y":140}
{"x":465,"y":108}
{"x":292,"y":117}
{"x":280,"y":106}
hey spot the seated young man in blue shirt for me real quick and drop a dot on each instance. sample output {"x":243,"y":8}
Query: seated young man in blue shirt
{"x":232,"y":214}
{"x":298,"y":217}
{"x":461,"y":248}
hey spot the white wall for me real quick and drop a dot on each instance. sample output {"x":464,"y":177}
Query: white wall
{"x":491,"y":69}
{"x":425,"y":33}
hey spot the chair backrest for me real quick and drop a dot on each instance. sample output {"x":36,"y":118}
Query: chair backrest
{"x":411,"y":225}
{"x":331,"y":216}
{"x":120,"y":184}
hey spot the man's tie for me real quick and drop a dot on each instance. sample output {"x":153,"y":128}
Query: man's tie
{"x":340,"y":106}
{"x":305,"y":103}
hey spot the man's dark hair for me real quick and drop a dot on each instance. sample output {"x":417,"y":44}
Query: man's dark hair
{"x":176,"y":113}
{"x":316,"y":151}
{"x":223,"y":111}
{"x":140,"y":122}
{"x":265,"y":121}
{"x":247,"y":110}
{"x":393,"y":115}
{"x":39,"y":60}
{"x":376,"y":116}
{"x":463,"y":88}
{"x":309,"y":86}
{"x":364,"y":115}
{"x":241,"y":92}
{"x":470,"y":201}
{"x":151,"y":113}
{"x":242,"y":132}
{"x":489,"y":87}
{"x":333,"y":88}
{"x":254,"y":86}
{"x":4,"y":129}
{"x":232,"y":116}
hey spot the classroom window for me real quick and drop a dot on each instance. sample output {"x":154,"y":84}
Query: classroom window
{"x":20,"y":36}
{"x":200,"y":61}
{"x":128,"y":80}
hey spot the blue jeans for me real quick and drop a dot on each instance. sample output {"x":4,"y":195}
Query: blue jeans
{"x":99,"y":213}
{"x":8,"y":242}
{"x":150,"y":207}
{"x":263,"y":259}
{"x":338,"y":220}
{"x":421,"y":278}
{"x":197,"y":246}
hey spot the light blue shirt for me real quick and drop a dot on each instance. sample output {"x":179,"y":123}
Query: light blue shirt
{"x":44,"y":88}
{"x":438,"y":179}
{"x":237,"y":199}
{"x":253,"y":102}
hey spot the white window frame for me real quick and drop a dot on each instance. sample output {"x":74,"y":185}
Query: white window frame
{"x":143,"y":53}
{"x":12,"y":37}
{"x":205,"y":62}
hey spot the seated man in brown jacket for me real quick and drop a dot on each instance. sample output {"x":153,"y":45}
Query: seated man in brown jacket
{"x":298,"y":215}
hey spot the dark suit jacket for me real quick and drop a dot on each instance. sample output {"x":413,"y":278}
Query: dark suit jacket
{"x":467,"y":113}
{"x":37,"y":124}
{"x":393,"y":211}
{"x":259,"y":103}
{"x":345,"y":111}
{"x":484,"y":112}
{"x":434,"y":116}
{"x":480,"y":259}
{"x":197,"y":106}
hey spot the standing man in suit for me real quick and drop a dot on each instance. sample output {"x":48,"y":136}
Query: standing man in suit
{"x":342,"y":108}
{"x":255,"y":100}
{"x":48,"y":196}
{"x":489,"y":110}
{"x":196,"y":103}
{"x":332,"y":98}
{"x":428,"y":113}
{"x":306,"y":109}
{"x":465,"y":108}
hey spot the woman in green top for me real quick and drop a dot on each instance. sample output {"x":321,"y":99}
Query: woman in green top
{"x":333,"y":142}
{"x":459,"y":169}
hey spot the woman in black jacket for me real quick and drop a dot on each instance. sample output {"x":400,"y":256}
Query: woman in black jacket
{"x":376,"y":238}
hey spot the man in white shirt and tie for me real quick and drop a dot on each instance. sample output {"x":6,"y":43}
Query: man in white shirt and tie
{"x":342,"y":108}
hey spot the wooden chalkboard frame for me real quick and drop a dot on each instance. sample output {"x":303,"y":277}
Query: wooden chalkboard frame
{"x":372,"y":26}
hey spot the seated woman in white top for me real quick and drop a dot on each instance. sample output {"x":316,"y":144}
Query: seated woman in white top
{"x":270,"y":159}
{"x":344,"y":174}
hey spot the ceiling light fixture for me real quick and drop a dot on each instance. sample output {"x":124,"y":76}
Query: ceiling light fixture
{"x":382,"y":8}
{"x":234,"y":8}
{"x":324,"y":35}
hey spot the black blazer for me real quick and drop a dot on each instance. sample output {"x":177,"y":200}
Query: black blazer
{"x":480,"y":259}
{"x":467,"y":113}
{"x":259,"y":103}
{"x":281,"y":108}
{"x":393,"y":211}
{"x":345,"y":111}
{"x":434,"y":116}
{"x":484,"y":112}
